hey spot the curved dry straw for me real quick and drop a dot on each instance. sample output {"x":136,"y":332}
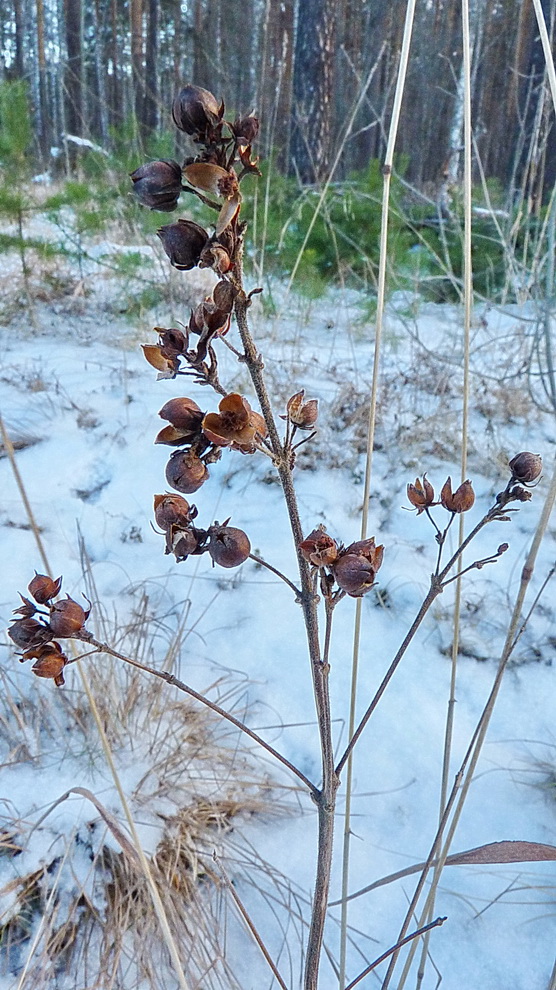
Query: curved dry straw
{"x":154,"y":893}
{"x":381,"y":293}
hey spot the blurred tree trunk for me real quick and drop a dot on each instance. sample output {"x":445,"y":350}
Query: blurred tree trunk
{"x":44,"y":110}
{"x":137,"y":79}
{"x":99,"y":118}
{"x":74,"y":70}
{"x":115,"y":97}
{"x":206,"y":45}
{"x":275,"y":79}
{"x":19,"y":38}
{"x":313,"y":78}
{"x":151,"y":70}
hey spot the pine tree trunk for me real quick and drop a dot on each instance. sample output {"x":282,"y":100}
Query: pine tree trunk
{"x":138,"y":87}
{"x":19,"y":67}
{"x":44,"y":115}
{"x":313,"y":89}
{"x":74,"y":73}
{"x":151,"y":78}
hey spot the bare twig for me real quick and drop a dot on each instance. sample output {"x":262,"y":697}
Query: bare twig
{"x":171,"y":679}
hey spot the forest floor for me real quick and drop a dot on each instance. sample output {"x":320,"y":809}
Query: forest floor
{"x":80,"y":405}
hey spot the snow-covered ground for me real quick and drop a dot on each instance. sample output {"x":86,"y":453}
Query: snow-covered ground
{"x":77,"y":395}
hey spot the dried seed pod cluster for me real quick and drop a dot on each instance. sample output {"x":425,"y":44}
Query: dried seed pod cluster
{"x":525,"y":471}
{"x":353,"y":569}
{"x":226,"y":545}
{"x":37,"y":637}
{"x":422,"y":497}
{"x":213,"y":175}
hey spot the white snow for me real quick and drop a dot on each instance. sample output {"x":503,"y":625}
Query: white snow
{"x":80,"y":386}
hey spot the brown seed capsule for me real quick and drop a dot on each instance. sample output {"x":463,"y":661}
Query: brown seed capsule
{"x":224,"y":295}
{"x":27,"y":633}
{"x":183,"y":242}
{"x":67,"y":618}
{"x":43,"y":588}
{"x":421,"y":494}
{"x":50,"y":663}
{"x":183,"y":413}
{"x":302,"y":414}
{"x":526,"y":467}
{"x":186,"y":472}
{"x":216,"y":257}
{"x":157,"y":185}
{"x":173,"y":510}
{"x":228,"y":546}
{"x":245,"y":129}
{"x":183,"y":542}
{"x":27,"y":609}
{"x":318,"y":548}
{"x":236,"y":425}
{"x":355,"y":569}
{"x":171,"y":342}
{"x":459,"y":501}
{"x":196,"y":111}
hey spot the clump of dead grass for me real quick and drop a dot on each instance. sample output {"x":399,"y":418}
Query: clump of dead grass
{"x":74,"y":901}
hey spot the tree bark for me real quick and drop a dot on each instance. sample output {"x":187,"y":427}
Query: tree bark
{"x":137,"y":78}
{"x":313,"y":79}
{"x":74,"y":73}
{"x":19,"y":62}
{"x":151,"y":67}
{"x":44,"y":114}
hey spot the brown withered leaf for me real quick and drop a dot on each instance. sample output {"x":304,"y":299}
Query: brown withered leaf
{"x":506,"y":851}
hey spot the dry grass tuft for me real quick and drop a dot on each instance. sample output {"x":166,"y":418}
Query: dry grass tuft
{"x":75,"y":904}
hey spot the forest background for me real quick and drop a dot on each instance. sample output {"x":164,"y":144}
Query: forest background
{"x":96,"y":70}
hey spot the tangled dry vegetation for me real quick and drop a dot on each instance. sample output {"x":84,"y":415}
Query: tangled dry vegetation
{"x":87,"y":908}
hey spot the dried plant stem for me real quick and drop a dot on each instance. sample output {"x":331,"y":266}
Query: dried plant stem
{"x":264,"y":563}
{"x":8,"y":446}
{"x":467,"y":307}
{"x":250,"y":925}
{"x":171,"y":679}
{"x":155,"y":895}
{"x":381,"y":295}
{"x":395,"y":948}
{"x":438,"y":581}
{"x":471,"y":757}
{"x":325,"y":797}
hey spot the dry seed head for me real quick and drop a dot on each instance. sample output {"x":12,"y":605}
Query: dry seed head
{"x":246,"y":129}
{"x":43,"y":588}
{"x":172,"y":510}
{"x":236,"y":425}
{"x":28,"y":632}
{"x":421,"y":494}
{"x":196,"y":111}
{"x":526,"y":467}
{"x":183,"y":242}
{"x":459,"y":501}
{"x":182,"y":413}
{"x":302,"y":414}
{"x":166,"y":366}
{"x":157,"y":185}
{"x":67,"y":618}
{"x":50,"y":663}
{"x":182,"y":542}
{"x":318,"y":548}
{"x":186,"y":472}
{"x":356,"y":567}
{"x":228,"y":546}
